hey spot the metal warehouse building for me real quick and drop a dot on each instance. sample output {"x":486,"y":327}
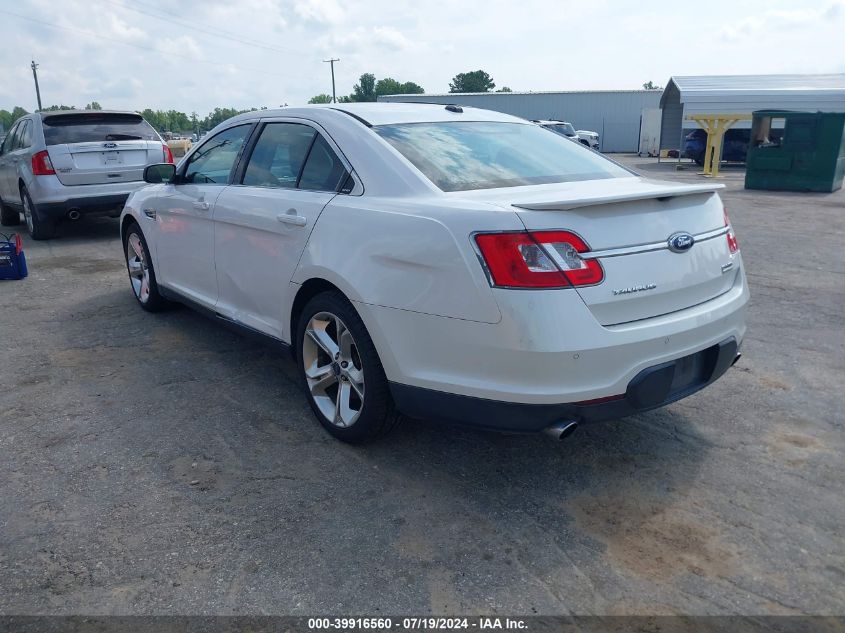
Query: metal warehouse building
{"x":742,"y":94}
{"x":614,"y":114}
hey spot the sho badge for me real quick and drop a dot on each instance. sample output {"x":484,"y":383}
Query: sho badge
{"x":627,"y":291}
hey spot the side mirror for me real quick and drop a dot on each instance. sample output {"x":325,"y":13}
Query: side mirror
{"x":161,"y":172}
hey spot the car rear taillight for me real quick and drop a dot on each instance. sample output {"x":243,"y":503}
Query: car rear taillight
{"x":733,"y":244}
{"x":168,"y":155}
{"x":41,"y":164}
{"x":540,"y":259}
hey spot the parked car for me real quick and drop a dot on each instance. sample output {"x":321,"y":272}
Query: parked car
{"x":585,"y":137}
{"x":734,"y":147}
{"x":564,"y":128}
{"x":63,"y":164}
{"x":444,"y":262}
{"x":588,"y":138}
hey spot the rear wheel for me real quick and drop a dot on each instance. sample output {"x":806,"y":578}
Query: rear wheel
{"x":141,"y":273}
{"x":38,"y":228}
{"x":8,"y":215}
{"x":341,"y":371}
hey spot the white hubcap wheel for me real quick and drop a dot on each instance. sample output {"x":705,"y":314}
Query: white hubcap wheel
{"x":333,"y":369}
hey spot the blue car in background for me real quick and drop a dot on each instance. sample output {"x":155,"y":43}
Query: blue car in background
{"x":734,"y":147}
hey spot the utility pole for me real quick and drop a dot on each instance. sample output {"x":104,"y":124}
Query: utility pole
{"x":332,"y":61}
{"x":35,"y":76}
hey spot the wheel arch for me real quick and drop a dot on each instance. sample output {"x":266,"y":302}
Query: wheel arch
{"x":307,"y":291}
{"x":313,"y":286}
{"x":125,"y":222}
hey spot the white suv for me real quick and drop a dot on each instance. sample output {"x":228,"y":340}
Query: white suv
{"x":445,"y":262}
{"x":60,"y":165}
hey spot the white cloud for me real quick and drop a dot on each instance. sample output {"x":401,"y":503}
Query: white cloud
{"x":779,"y":20}
{"x":267,"y":52}
{"x":320,"y":11}
{"x":390,"y":37}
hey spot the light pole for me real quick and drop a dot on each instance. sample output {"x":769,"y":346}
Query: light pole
{"x":332,"y":61}
{"x":34,"y":67}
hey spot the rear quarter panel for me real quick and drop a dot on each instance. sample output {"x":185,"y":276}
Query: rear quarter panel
{"x":404,"y":255}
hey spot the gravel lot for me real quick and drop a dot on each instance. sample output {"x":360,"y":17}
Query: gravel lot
{"x":160,"y":464}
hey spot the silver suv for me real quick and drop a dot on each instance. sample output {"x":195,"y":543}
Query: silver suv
{"x":57,"y":165}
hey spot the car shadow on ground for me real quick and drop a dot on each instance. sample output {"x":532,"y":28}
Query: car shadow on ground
{"x":652,"y":457}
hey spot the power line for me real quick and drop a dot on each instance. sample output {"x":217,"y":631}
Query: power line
{"x":208,"y":30}
{"x":145,"y":48}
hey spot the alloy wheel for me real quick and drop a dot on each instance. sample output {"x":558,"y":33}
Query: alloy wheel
{"x":333,"y":369}
{"x":139,"y":272}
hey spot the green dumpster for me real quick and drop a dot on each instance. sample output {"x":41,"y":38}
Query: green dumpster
{"x":796,"y":151}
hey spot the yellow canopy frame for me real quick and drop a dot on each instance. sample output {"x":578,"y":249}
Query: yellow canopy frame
{"x":715,"y":125}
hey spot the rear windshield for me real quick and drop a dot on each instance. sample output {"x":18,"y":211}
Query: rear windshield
{"x":459,"y":156}
{"x":96,"y":126}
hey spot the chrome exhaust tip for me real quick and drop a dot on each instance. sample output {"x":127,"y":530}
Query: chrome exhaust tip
{"x":74,"y":214}
{"x":560,"y":430}
{"x":736,"y":358}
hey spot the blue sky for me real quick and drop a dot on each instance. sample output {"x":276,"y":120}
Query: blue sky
{"x":197,"y":54}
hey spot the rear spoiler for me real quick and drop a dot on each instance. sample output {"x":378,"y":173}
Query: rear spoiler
{"x":650,"y":193}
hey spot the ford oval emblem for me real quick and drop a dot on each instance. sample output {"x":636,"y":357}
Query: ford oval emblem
{"x":109,"y":145}
{"x":681,"y":242}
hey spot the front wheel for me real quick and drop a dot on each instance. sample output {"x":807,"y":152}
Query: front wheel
{"x":341,"y":371}
{"x":142,"y":276}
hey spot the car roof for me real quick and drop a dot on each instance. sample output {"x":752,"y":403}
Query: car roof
{"x":551,"y":122}
{"x":387,"y":113}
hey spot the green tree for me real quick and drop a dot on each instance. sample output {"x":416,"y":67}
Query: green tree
{"x":389,"y":86}
{"x":7,"y":119}
{"x":93,"y":106}
{"x":54,"y":108}
{"x":649,"y":85}
{"x":365,"y":89}
{"x":473,"y":81}
{"x":504,"y":89}
{"x":323,"y":98}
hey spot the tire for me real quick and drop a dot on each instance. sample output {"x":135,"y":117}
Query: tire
{"x":38,"y":229}
{"x":583,"y":142}
{"x":139,"y":265}
{"x":8,"y":216}
{"x":343,"y":369}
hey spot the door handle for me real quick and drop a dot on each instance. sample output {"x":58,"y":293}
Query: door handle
{"x":202,"y":205}
{"x":291,"y":217}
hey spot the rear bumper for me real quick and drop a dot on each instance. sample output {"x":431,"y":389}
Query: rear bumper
{"x":86,"y":206}
{"x":651,"y":388}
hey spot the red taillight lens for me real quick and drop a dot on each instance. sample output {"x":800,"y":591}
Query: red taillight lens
{"x":168,"y":155}
{"x":41,"y":165}
{"x":733,"y":244}
{"x":544,"y":259}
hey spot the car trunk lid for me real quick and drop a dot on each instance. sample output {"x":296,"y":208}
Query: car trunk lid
{"x":627,"y":224}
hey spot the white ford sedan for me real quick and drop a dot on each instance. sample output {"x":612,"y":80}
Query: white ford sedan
{"x":444,"y":262}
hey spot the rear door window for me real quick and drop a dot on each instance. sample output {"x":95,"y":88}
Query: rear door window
{"x":25,"y":135}
{"x":214,"y":159}
{"x":323,"y":170}
{"x":91,"y":127}
{"x":279,"y":155}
